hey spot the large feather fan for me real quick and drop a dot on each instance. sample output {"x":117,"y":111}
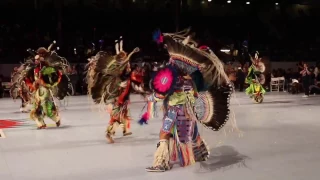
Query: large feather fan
{"x":207,"y":71}
{"x":58,"y":62}
{"x":212,"y":107}
{"x":102,"y":80}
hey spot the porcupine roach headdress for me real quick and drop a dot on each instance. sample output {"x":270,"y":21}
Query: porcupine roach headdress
{"x":207,"y":71}
{"x":106,"y":74}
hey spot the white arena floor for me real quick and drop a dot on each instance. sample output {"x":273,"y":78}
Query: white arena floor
{"x":280,"y":141}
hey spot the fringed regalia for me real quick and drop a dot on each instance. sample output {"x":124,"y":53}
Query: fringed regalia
{"x":256,"y":79}
{"x":137,"y":80}
{"x":45,"y":77}
{"x":108,"y":79}
{"x":19,"y":89}
{"x":194,"y":89}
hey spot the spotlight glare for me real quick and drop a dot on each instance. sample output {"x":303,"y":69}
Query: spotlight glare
{"x":248,"y":2}
{"x":225,"y":50}
{"x":277,"y":4}
{"x":229,"y":2}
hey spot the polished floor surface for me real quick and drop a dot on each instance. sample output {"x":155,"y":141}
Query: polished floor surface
{"x":279,"y":140}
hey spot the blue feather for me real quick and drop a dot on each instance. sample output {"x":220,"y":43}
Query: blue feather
{"x":156,"y":36}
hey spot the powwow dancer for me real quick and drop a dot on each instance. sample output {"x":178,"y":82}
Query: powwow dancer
{"x":256,"y":79}
{"x":41,"y":80}
{"x":19,"y":89}
{"x":22,"y":79}
{"x":194,"y":88}
{"x":42,"y":76}
{"x":108,"y":81}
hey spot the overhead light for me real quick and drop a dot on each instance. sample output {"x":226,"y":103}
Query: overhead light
{"x":209,"y":0}
{"x":248,"y":2}
{"x":225,"y":50}
{"x":277,"y":4}
{"x":229,"y":2}
{"x":202,"y":2}
{"x":134,"y":1}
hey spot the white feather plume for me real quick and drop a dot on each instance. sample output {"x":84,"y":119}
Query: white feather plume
{"x":117,"y":47}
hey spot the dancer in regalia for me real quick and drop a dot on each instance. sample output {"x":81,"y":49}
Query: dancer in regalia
{"x":194,"y":89}
{"x":19,"y":89}
{"x":108,"y":81}
{"x":256,"y":79}
{"x":44,"y":75}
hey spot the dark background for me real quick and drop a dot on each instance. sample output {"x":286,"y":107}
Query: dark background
{"x":287,"y":32}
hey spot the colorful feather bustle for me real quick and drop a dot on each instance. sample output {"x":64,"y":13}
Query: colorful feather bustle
{"x":149,"y":114}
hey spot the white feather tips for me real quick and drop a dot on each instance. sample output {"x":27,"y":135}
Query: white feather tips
{"x":117,"y":47}
{"x":121,"y":44}
{"x":256,"y":56}
{"x":186,"y":40}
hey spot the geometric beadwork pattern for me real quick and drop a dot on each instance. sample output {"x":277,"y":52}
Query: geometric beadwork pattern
{"x":212,"y":107}
{"x":186,"y":67}
{"x":204,"y":106}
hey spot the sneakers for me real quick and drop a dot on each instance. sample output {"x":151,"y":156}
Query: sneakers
{"x":156,"y":169}
{"x":159,"y":168}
